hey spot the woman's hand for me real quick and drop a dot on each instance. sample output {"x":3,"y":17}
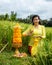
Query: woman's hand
{"x":40,"y":36}
{"x":24,"y":34}
{"x":30,"y":33}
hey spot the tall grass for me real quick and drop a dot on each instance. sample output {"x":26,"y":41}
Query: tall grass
{"x":5,"y":33}
{"x":43,"y":57}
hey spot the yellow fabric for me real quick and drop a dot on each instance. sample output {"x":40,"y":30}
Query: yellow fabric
{"x":40,"y":31}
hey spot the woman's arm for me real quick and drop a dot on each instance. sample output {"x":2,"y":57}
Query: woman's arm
{"x":43,"y":32}
{"x":27,"y":32}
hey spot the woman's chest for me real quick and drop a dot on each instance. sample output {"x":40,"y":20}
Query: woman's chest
{"x":37,"y":31}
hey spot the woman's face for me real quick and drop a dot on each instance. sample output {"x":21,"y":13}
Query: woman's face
{"x":36,"y":20}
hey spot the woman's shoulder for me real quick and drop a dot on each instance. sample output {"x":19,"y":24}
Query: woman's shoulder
{"x":42,"y":26}
{"x":30,"y":26}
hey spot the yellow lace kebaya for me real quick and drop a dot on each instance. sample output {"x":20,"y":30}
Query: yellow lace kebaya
{"x":36,"y":35}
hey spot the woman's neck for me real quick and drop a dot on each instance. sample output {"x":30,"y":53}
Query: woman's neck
{"x":36,"y":26}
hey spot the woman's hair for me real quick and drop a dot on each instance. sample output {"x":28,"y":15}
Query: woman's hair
{"x":34,"y":17}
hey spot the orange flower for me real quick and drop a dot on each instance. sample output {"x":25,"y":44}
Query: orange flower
{"x":17,"y":34}
{"x":17,"y":40}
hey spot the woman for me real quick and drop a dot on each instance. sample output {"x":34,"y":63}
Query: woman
{"x":37,"y":32}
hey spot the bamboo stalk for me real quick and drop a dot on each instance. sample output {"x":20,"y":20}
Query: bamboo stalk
{"x":3,"y":48}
